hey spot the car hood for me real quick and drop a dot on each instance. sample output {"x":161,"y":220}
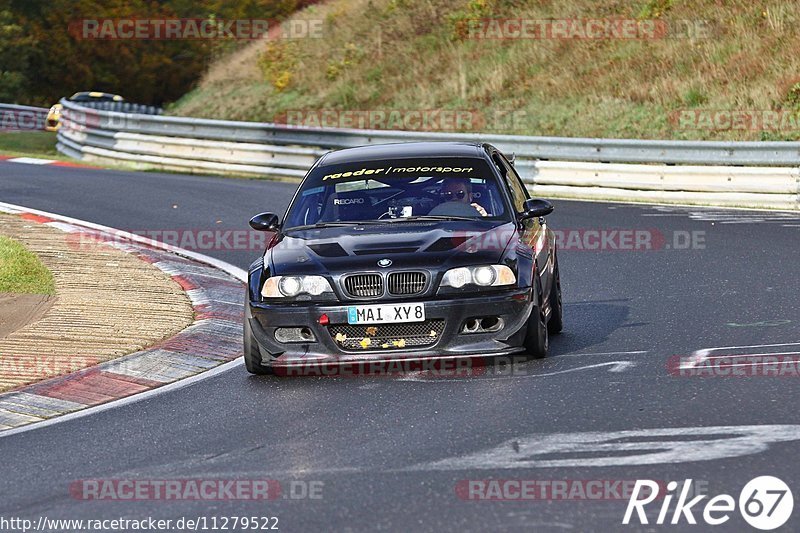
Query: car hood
{"x":430,"y":245}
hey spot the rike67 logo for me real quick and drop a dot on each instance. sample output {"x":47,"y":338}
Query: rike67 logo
{"x":765,"y":503}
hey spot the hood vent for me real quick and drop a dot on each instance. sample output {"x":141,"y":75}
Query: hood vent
{"x":447,"y":243}
{"x":331,"y":249}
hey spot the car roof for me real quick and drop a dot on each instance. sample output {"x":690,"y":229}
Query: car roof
{"x":96,"y":95}
{"x":403,"y":150}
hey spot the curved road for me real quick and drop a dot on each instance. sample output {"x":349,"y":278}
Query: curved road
{"x":391,"y":453}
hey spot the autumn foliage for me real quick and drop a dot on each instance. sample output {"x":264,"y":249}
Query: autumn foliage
{"x":42,"y":61}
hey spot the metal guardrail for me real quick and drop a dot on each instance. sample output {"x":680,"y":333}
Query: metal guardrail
{"x":22,"y":117}
{"x":580,"y":168}
{"x":540,"y":148}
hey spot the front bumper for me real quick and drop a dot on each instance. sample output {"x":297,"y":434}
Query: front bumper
{"x":513,"y":307}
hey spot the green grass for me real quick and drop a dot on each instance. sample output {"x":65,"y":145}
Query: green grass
{"x":29,"y":144}
{"x":21,"y":271}
{"x":42,"y":144}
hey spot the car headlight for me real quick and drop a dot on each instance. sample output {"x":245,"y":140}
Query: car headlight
{"x":291,"y":286}
{"x":482,"y":276}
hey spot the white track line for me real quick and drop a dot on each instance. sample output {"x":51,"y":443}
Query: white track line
{"x":234,"y":271}
{"x":771,"y":363}
{"x":700,"y":356}
{"x":732,"y":356}
{"x":636,"y":352}
{"x":31,"y":161}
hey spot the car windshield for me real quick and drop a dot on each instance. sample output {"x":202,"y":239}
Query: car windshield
{"x":398,"y":190}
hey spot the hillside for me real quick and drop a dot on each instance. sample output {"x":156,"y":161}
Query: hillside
{"x":727,"y":72}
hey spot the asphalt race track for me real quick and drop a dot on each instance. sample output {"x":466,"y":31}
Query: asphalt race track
{"x":392,"y":452}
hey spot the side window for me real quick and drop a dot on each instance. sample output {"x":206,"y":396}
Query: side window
{"x":515,"y":187}
{"x":516,"y":184}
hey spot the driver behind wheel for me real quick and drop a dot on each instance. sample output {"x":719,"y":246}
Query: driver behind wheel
{"x":460,"y":190}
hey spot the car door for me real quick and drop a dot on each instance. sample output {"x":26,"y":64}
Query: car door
{"x":533,"y":231}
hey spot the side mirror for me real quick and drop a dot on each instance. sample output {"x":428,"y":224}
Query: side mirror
{"x":265,"y":222}
{"x":535,"y":207}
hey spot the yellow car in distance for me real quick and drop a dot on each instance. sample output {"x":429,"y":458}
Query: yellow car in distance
{"x":53,"y":121}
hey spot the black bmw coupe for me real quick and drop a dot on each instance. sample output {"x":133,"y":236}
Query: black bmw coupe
{"x":409,"y":251}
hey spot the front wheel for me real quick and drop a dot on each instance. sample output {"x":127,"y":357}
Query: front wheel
{"x":252,"y":355}
{"x":537,"y":339}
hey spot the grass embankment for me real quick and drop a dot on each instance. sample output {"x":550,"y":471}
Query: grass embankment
{"x":42,"y":144}
{"x":29,"y":144}
{"x":415,"y":54}
{"x":21,"y":271}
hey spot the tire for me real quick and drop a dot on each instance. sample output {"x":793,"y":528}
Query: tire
{"x":556,"y":322}
{"x":537,"y":339}
{"x":252,"y":355}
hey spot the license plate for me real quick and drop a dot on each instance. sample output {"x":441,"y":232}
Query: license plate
{"x":385,"y":314}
